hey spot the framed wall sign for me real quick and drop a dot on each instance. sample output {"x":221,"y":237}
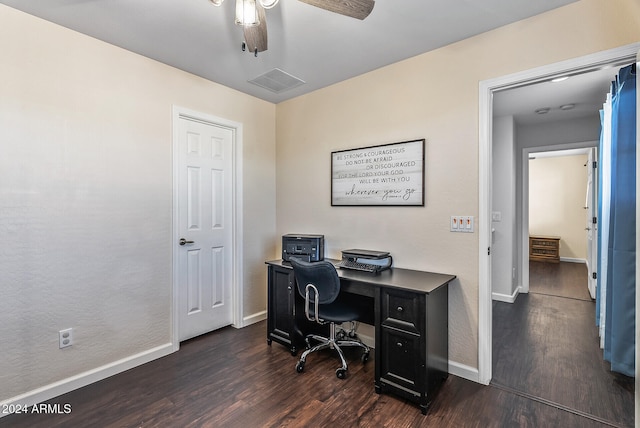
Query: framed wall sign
{"x":389,"y":174}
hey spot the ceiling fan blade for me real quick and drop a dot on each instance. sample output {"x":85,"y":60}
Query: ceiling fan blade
{"x":359,"y":9}
{"x":256,"y":37}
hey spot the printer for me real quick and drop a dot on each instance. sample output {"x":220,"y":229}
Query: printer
{"x":309,"y":248}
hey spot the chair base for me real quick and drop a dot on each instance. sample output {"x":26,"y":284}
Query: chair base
{"x":333,"y":343}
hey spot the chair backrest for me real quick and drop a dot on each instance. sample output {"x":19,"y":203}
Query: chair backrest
{"x":322,"y":275}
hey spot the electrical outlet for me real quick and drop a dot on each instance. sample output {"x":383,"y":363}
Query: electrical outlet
{"x":66,"y":337}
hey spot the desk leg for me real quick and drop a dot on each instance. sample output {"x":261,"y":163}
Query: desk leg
{"x":424,"y":408}
{"x":377,"y":334}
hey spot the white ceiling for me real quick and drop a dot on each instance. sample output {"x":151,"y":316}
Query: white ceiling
{"x":319,"y":47}
{"x":586,"y":91}
{"x":312,"y":44}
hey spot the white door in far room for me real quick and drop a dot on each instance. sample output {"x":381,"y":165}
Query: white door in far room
{"x":591,"y":206}
{"x":205,"y":227}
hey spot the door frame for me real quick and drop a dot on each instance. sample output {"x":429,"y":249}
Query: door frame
{"x":485,"y":142}
{"x":524,"y":217}
{"x":179,"y":113}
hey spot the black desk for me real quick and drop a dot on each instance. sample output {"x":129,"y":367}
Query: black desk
{"x":408,"y":309}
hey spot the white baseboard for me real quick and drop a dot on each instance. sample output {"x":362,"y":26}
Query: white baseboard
{"x":253,"y":318}
{"x":506,"y":297}
{"x":464,"y":371}
{"x":572,"y":260}
{"x":69,"y":384}
{"x":367,"y":340}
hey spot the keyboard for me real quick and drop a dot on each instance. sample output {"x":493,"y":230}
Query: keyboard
{"x":350,"y":264}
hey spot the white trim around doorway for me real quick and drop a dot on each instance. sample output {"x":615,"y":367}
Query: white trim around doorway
{"x":237,"y":269}
{"x":486,"y":90}
{"x":524,"y":231}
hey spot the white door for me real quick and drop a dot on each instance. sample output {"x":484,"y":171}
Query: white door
{"x":591,"y":205}
{"x":205,"y":225}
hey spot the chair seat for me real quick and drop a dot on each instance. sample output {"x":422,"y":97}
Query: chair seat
{"x":338,"y":312}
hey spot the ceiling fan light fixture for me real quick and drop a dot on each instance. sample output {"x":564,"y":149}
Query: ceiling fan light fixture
{"x":268,"y":4}
{"x":216,"y":2}
{"x":246,"y":13}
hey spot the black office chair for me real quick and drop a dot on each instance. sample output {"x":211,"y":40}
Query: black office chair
{"x":319,"y":284}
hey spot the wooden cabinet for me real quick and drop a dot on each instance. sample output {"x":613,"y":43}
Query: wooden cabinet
{"x":544,"y":248}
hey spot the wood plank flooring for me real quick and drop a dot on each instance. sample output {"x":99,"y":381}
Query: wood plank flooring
{"x":546,"y":347}
{"x":548,"y":372}
{"x":232,"y":378}
{"x":562,"y":279}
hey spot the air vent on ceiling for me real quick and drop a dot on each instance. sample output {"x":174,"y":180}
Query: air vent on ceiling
{"x":277,"y":81}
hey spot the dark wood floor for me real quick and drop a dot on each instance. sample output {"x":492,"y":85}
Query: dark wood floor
{"x":232,"y":378}
{"x":546,"y":346}
{"x":562,"y":279}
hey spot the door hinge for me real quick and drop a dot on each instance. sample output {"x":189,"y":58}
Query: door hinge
{"x":594,"y":275}
{"x":594,"y":220}
{"x":595,"y":164}
{"x":488,"y":251}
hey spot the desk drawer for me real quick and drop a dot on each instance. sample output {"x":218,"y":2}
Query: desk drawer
{"x":401,"y":310}
{"x":400,"y":363}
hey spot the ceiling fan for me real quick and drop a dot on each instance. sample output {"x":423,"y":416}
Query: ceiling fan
{"x":250,"y":14}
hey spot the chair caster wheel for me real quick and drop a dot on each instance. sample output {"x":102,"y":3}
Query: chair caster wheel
{"x":300,"y":366}
{"x":341,"y":373}
{"x":365,"y":357}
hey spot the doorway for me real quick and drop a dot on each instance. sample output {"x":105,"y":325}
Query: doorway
{"x":583,"y":207}
{"x":592,"y":62}
{"x":206,"y":228}
{"x":615,"y":57}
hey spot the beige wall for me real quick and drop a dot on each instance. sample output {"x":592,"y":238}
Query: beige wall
{"x":86,"y":199}
{"x":86,"y":185}
{"x":432,"y":96}
{"x":557,"y":194}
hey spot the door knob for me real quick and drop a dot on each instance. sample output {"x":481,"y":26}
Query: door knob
{"x":184,"y":241}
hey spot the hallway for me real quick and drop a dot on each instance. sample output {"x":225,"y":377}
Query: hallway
{"x":546,"y":347}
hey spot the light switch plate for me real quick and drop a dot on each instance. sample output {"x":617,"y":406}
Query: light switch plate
{"x":462,"y":223}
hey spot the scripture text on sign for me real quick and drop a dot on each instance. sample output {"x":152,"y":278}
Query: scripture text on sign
{"x":391,"y":174}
